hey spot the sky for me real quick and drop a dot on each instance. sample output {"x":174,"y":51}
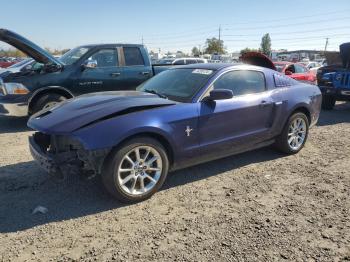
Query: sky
{"x":179,"y":24}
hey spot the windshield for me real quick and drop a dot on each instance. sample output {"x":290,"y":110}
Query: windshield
{"x":73,"y":55}
{"x":180,"y":84}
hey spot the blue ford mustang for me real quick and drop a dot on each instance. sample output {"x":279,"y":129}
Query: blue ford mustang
{"x":181,"y":117}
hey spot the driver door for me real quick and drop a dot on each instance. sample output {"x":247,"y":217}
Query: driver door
{"x":232,"y":125}
{"x":104,"y":76}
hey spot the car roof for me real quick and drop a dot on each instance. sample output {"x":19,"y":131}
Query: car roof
{"x":111,"y":45}
{"x":282,"y":63}
{"x":209,"y":66}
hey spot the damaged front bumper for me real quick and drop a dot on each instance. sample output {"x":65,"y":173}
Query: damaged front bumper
{"x":65,"y":155}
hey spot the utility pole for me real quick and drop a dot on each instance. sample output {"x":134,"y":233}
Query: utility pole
{"x":219,"y":32}
{"x":142,"y":40}
{"x":325,"y":47}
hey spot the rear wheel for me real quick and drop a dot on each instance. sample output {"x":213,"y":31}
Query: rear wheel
{"x":294,"y":134}
{"x":136,"y":170}
{"x":328,"y":102}
{"x":47,"y":101}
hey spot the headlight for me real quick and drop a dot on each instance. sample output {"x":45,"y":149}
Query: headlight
{"x":15,"y":89}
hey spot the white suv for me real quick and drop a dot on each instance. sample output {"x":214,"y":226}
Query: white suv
{"x":182,"y":61}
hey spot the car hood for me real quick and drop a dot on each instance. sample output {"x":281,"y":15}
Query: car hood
{"x":27,"y":47}
{"x":257,"y":59}
{"x":89,"y":109}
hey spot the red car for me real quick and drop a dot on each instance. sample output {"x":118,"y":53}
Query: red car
{"x":295,"y":71}
{"x":6,"y":63}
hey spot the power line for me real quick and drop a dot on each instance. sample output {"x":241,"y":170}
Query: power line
{"x":296,"y":32}
{"x":287,"y":25}
{"x":289,"y":18}
{"x":205,"y":29}
{"x":294,"y":39}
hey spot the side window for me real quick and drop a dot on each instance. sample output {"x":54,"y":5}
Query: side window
{"x":291,"y":68}
{"x":133,"y":56}
{"x":299,"y":69}
{"x":191,"y":61}
{"x":241,"y":82}
{"x":282,"y":80}
{"x":179,"y":62}
{"x":105,"y":57}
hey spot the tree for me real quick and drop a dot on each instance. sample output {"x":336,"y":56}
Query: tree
{"x":265,"y":45}
{"x":247,"y":49}
{"x":195,"y":51}
{"x":214,"y":45}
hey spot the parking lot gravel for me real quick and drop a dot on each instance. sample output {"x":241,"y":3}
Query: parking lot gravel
{"x":257,"y":206}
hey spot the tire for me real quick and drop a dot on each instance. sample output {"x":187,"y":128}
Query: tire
{"x":328,"y":102}
{"x":131,"y":191}
{"x":46,"y":101}
{"x":282,"y":142}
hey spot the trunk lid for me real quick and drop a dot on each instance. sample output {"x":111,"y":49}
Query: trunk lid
{"x":345,"y":54}
{"x":257,"y":59}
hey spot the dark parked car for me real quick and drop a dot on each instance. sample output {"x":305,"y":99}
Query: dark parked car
{"x":181,"y":117}
{"x":85,"y":69}
{"x":334,"y":80}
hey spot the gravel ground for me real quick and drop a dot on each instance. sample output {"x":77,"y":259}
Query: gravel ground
{"x":257,"y":206}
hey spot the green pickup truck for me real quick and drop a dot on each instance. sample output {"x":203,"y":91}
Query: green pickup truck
{"x":84,"y":69}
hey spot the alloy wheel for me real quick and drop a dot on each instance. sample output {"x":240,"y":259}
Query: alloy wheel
{"x":139,"y":170}
{"x":297,"y":133}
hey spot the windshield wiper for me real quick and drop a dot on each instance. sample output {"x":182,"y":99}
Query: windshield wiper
{"x":156,"y":93}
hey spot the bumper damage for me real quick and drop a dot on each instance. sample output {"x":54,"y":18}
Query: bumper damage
{"x":64,"y":156}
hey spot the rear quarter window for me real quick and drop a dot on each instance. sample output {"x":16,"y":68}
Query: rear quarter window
{"x":133,"y":56}
{"x":283,"y":81}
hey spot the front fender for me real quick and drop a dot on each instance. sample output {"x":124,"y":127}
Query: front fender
{"x":112,"y":132}
{"x":45,"y":89}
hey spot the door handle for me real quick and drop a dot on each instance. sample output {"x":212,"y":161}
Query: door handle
{"x":115,"y":74}
{"x":145,"y":73}
{"x":265,"y":103}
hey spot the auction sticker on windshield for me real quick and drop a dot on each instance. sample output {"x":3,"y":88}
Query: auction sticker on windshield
{"x":202,"y":71}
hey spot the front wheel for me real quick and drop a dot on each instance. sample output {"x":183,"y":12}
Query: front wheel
{"x":294,"y":134}
{"x":47,"y":101}
{"x":136,"y":170}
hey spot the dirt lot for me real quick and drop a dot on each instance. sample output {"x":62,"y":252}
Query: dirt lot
{"x":257,"y":206}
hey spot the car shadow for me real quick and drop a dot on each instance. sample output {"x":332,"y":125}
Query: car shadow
{"x":340,"y":114}
{"x":24,"y":186}
{"x":13,"y":124}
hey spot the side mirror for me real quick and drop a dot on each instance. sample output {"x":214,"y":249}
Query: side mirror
{"x":288,"y":73}
{"x":89,"y":64}
{"x":220,"y":94}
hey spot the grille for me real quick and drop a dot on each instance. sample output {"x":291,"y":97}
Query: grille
{"x":345,"y":80}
